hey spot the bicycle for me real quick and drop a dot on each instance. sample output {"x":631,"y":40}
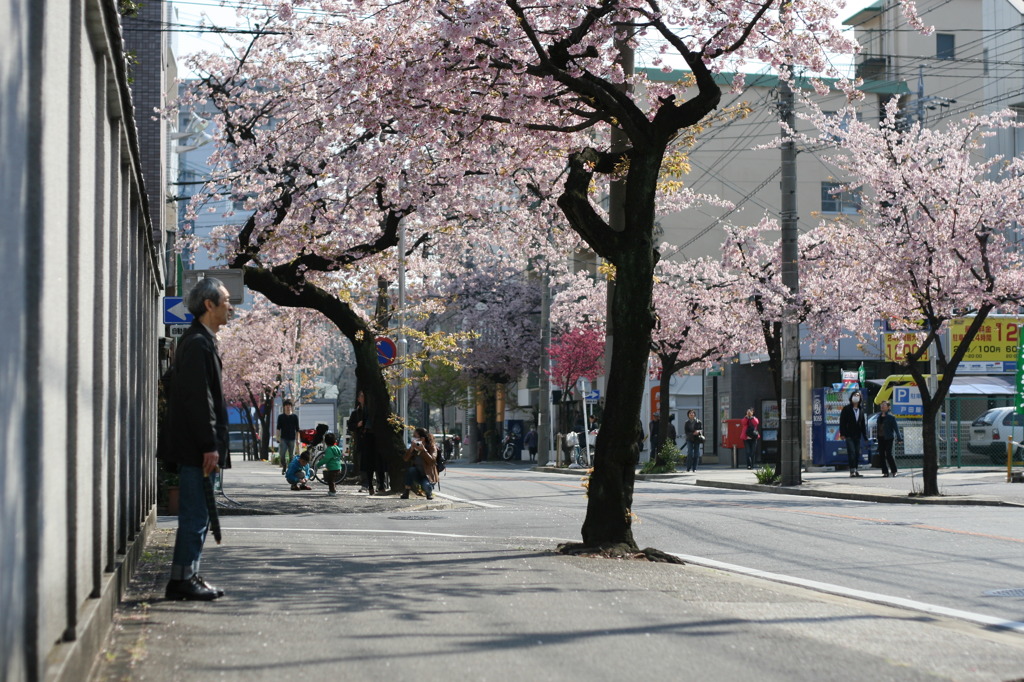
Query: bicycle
{"x":508,"y":451}
{"x":314,"y":464}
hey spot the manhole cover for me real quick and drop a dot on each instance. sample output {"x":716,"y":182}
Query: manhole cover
{"x":415,"y":518}
{"x":1011,"y":592}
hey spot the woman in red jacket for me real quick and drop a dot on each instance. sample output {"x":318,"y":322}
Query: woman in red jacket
{"x":751,"y":433}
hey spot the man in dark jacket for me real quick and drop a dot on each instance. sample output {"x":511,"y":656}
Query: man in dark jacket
{"x":853,"y":427}
{"x":198,"y":429}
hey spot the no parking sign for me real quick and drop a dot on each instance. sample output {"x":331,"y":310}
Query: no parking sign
{"x":387,"y":351}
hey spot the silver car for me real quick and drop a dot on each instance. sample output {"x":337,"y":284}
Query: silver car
{"x":990,"y":431}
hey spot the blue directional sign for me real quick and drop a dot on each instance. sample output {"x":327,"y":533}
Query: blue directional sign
{"x":175,"y":311}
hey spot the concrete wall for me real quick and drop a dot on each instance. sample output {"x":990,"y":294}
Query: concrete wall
{"x":79,"y":336}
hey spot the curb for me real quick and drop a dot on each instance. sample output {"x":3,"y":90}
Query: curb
{"x":859,"y":497}
{"x":808,"y":492}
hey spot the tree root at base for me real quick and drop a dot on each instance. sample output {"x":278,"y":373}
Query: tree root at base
{"x":617,"y":551}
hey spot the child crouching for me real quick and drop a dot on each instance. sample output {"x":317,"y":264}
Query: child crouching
{"x":298,"y":472}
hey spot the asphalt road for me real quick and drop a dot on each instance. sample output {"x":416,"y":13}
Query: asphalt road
{"x":475,"y":592}
{"x":948,"y":556}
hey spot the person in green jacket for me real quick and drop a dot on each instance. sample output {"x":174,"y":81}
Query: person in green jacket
{"x":331,"y":462}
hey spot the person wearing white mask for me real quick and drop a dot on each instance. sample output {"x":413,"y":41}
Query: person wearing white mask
{"x":853,"y":427}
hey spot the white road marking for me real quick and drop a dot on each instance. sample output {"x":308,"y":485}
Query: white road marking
{"x":874,"y":597}
{"x":473,"y":502}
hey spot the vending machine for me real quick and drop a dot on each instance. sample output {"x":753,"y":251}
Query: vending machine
{"x":827,"y":447}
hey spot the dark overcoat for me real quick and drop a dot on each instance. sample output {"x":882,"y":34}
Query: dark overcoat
{"x":198,"y":413}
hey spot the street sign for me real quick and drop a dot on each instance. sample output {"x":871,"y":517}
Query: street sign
{"x":593,"y":396}
{"x":906,"y":401}
{"x":175,"y":311}
{"x":387,"y":351}
{"x":178,"y":330}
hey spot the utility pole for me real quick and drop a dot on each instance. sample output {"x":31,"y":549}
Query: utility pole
{"x":544,"y":413}
{"x":789,"y":409}
{"x":617,"y":198}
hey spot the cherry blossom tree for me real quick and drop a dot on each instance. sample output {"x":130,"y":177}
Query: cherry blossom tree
{"x":576,"y":353}
{"x":311,"y":157}
{"x":703,"y":317}
{"x":501,"y":306}
{"x":931,"y":241}
{"x":264,"y":348}
{"x":753,"y":254}
{"x":464,"y":84}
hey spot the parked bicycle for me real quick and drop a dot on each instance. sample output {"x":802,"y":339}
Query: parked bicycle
{"x":508,"y":449}
{"x":316,"y":472}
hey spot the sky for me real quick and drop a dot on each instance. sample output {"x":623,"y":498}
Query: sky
{"x":191,"y":13}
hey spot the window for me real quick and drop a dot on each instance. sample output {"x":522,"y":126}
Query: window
{"x":945,"y":45}
{"x":834,"y":200}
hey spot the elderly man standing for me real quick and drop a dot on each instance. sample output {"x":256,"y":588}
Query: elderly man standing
{"x":198,"y":429}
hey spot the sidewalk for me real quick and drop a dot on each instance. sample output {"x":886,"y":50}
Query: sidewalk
{"x":966,"y":486}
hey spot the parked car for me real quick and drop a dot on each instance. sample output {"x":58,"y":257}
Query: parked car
{"x":990,"y":431}
{"x":240,"y":439}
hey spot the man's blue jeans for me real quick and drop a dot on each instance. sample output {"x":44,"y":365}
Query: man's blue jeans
{"x":286,"y":450}
{"x":193,"y":522}
{"x":692,"y":455}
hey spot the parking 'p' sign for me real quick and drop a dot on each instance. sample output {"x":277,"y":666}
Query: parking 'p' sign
{"x":387,"y":351}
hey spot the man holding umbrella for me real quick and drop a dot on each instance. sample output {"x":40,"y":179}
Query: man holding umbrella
{"x":198,"y":431}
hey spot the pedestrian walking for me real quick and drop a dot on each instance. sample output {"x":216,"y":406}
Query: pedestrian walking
{"x":530,"y":441}
{"x":287,"y":432}
{"x":198,"y":433}
{"x":693,"y":433}
{"x":751,"y":434}
{"x":888,"y":430}
{"x":852,"y":428}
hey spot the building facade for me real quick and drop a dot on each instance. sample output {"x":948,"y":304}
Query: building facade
{"x":79,"y":343}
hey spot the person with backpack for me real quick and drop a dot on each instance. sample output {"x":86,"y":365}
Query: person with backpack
{"x":751,"y":433}
{"x":422,"y":456}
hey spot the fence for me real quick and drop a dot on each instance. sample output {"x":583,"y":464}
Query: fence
{"x":954,"y":435}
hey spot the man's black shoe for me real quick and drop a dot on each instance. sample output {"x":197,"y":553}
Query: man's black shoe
{"x":204,"y":583}
{"x":189,"y":590}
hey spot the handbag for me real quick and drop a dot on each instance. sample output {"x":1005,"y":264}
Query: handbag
{"x":699,"y":438}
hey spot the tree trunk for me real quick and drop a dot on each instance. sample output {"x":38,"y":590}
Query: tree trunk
{"x":387,"y":438}
{"x":931,"y":403}
{"x":930,"y":463}
{"x":610,"y":503}
{"x":664,"y":386}
{"x":278,"y":286}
